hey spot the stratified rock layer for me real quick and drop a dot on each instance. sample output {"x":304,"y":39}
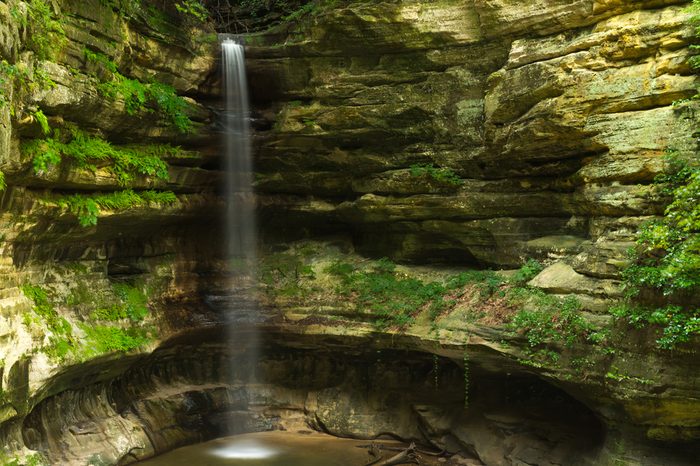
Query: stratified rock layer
{"x":480,"y":132}
{"x":555,"y":115}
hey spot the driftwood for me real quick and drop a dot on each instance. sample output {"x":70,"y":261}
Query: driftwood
{"x":406,"y":456}
{"x":390,"y":448}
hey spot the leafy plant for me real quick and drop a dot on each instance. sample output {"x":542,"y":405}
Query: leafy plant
{"x":667,"y":260}
{"x":87,"y":151}
{"x":394,"y":299}
{"x":441,"y":175}
{"x":487,"y":281}
{"x":679,"y":324}
{"x":285,"y":271}
{"x":133,"y":305}
{"x":310,"y":8}
{"x":544,"y":318}
{"x":35,"y":459}
{"x":193,"y":8}
{"x":527,"y":272}
{"x":102,"y":339}
{"x":88,"y":208}
{"x":135,"y":301}
{"x":100,"y":60}
{"x":47,"y":35}
{"x":142,"y":97}
{"x":340,"y":269}
{"x":125,"y":8}
{"x":43,"y":121}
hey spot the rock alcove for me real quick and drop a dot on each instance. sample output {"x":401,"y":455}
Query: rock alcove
{"x":447,"y":136}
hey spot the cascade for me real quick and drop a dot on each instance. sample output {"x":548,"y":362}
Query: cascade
{"x":240,"y":215}
{"x":241,"y":232}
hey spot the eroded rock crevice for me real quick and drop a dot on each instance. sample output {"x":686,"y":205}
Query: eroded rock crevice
{"x":185,"y":393}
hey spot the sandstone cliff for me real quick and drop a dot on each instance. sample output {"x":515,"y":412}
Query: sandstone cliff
{"x":466,"y":133}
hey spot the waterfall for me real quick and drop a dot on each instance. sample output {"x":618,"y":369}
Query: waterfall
{"x":240,"y":199}
{"x":241,"y":234}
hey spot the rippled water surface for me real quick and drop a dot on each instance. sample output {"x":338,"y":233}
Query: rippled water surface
{"x":268,"y":449}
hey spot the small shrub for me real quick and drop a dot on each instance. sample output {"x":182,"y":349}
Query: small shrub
{"x":527,"y":272}
{"x":43,"y":121}
{"x":544,"y":318}
{"x":441,"y":175}
{"x":47,"y":36}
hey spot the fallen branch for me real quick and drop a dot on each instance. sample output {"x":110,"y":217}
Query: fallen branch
{"x":380,"y":446}
{"x":408,"y":455}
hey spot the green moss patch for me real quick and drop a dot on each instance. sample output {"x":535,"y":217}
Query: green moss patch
{"x":110,"y":319}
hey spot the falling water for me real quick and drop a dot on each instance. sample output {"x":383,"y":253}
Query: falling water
{"x":241,"y":242}
{"x":240,"y":216}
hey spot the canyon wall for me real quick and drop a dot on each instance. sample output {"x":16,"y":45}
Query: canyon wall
{"x":452,"y":133}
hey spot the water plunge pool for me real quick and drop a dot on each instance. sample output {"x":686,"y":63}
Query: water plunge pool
{"x":269,"y":449}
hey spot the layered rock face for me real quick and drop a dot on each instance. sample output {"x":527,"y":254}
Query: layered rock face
{"x":554,"y":117}
{"x":55,"y":271}
{"x":487,"y":133}
{"x":474,"y":133}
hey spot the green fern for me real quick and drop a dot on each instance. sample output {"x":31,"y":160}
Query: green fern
{"x":142,"y":97}
{"x":88,"y":151}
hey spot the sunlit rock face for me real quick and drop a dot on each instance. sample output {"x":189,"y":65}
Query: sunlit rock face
{"x":473,"y":133}
{"x":554,"y":115}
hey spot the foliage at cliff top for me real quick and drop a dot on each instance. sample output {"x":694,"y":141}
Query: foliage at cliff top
{"x":245,"y":16}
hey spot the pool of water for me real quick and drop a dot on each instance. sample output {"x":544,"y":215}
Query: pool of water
{"x":268,"y":449}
